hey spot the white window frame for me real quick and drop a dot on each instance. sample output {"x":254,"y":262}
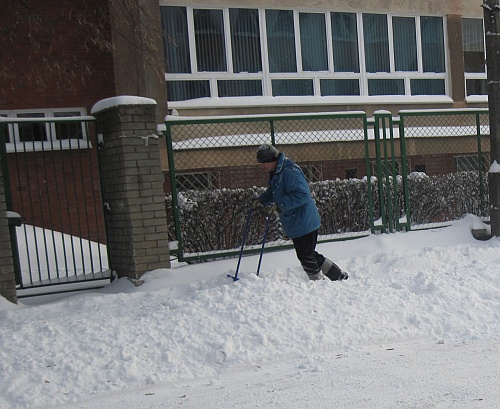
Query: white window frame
{"x":316,"y":76}
{"x":49,"y":118}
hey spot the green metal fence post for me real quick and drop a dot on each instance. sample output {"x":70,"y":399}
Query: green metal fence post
{"x":371,"y":210}
{"x":404,"y":176}
{"x":175,"y":199}
{"x":379,"y":175}
{"x":387,"y":169}
{"x":391,"y":177}
{"x":482,"y":204}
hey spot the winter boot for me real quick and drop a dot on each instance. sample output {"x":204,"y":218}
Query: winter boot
{"x":333,"y":271}
{"x":318,"y":276}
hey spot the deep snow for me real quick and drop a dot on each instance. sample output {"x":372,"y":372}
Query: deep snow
{"x":416,"y":326}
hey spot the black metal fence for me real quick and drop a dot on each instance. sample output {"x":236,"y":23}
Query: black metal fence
{"x":51,"y":174}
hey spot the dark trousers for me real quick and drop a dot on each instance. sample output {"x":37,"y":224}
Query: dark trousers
{"x":305,"y":248}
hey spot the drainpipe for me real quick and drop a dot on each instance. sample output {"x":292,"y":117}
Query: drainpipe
{"x":492,"y":40}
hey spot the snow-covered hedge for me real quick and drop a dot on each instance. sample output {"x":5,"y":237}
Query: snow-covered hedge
{"x":446,"y":197}
{"x":215,"y":220}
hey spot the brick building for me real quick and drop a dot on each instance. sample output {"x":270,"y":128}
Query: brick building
{"x":228,"y":58}
{"x":60,"y":58}
{"x":268,"y":57}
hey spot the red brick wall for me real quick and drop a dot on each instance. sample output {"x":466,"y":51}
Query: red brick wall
{"x":56,"y":63}
{"x":59,"y":191}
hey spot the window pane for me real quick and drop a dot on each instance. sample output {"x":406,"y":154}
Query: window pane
{"x":245,"y":40}
{"x":339,"y":87}
{"x":432,"y":44}
{"x":313,"y":42}
{"x":239,"y":88}
{"x":175,"y":39}
{"x":209,"y":37}
{"x":345,"y":42}
{"x":183,"y":90}
{"x":405,"y":44}
{"x":477,"y":87}
{"x":292,"y":87}
{"x":473,"y":42}
{"x":386,"y":87}
{"x":376,"y":40}
{"x":29,"y":132}
{"x":281,"y":41}
{"x":427,"y":87}
{"x":68,"y":130}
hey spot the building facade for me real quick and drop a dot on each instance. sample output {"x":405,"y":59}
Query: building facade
{"x":228,"y":57}
{"x":225,"y":57}
{"x":232,"y":58}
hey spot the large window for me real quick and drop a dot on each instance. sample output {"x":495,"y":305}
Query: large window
{"x":247,"y":52}
{"x":474,"y":56}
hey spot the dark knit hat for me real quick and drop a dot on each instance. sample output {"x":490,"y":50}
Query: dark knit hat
{"x":267,"y":153}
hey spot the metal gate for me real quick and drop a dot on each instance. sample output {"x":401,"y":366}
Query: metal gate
{"x":51,"y":176}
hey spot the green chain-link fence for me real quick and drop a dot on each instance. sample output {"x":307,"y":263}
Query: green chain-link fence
{"x":383,"y":174}
{"x":448,"y":152}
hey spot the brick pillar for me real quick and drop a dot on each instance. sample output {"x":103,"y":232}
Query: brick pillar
{"x":7,"y":277}
{"x":132,"y":185}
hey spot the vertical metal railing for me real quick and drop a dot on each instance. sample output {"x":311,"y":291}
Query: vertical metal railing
{"x":391,"y":173}
{"x":54,"y":183}
{"x":8,"y":201}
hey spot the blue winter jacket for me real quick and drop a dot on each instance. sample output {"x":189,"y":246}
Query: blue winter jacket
{"x":288,"y":188}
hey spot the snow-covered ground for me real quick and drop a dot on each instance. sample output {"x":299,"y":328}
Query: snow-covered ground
{"x":417,"y":325}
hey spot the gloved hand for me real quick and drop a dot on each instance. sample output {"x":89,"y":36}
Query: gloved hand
{"x":257,"y":205}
